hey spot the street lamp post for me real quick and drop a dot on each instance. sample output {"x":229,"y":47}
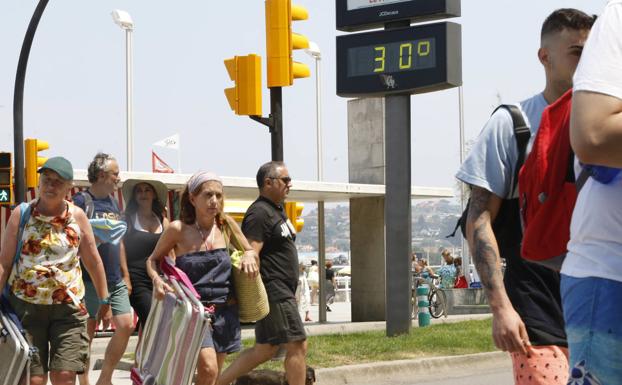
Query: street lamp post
{"x":124,"y":20}
{"x":315,"y":53}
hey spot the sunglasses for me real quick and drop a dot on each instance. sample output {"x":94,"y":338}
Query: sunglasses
{"x":285,"y":179}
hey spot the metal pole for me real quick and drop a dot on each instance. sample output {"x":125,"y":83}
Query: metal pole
{"x":466,"y":259}
{"x":321,"y":261}
{"x":18,"y":103}
{"x":128,"y":97}
{"x":318,"y":110}
{"x":276,"y":130}
{"x":398,"y":209}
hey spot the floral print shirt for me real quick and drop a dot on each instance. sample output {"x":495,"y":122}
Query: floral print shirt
{"x":48,"y":271}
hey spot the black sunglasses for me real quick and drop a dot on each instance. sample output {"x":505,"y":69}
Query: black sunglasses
{"x":285,"y":179}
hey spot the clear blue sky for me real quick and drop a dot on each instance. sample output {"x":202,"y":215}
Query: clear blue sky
{"x":75,"y":86}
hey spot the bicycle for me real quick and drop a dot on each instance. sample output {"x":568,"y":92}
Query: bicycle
{"x":436,"y":297}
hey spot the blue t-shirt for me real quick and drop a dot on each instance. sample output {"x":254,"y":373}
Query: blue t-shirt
{"x":104,"y":208}
{"x":491,"y":162}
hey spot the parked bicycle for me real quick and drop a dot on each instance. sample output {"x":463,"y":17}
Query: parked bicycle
{"x":436,"y":297}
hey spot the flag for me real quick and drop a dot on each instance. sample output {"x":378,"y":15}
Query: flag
{"x":170,"y":142}
{"x":159,"y":165}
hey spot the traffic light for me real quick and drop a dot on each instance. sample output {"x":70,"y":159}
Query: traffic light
{"x":294,"y":213}
{"x":236,"y":209}
{"x":33,"y":160}
{"x":245,"y":97}
{"x":280,"y":41}
{"x":6,"y":179}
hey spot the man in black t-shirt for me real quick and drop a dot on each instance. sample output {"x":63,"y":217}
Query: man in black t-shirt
{"x":272,"y":236}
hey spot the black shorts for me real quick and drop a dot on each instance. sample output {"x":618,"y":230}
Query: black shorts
{"x":283,"y":324}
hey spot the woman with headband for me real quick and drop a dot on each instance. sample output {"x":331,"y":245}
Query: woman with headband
{"x":198,"y":242}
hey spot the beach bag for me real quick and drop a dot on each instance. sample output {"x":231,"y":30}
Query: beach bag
{"x":250,"y":292}
{"x":547,"y":189}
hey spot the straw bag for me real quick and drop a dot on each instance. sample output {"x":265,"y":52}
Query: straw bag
{"x":250,"y":292}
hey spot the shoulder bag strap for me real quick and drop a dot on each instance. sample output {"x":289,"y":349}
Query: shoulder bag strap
{"x":24,"y":211}
{"x":522,"y":135}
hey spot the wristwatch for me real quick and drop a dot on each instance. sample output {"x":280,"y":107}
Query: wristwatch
{"x":105,"y":301}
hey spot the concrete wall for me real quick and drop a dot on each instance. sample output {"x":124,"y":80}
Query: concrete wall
{"x":367,"y":240}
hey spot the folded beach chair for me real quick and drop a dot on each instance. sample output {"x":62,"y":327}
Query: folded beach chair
{"x":14,"y":349}
{"x":172,"y":336}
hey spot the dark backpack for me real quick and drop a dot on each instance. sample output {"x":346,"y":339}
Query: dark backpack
{"x":506,"y":225}
{"x":547,"y":188}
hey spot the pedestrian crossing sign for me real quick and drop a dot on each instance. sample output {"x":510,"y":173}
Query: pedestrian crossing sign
{"x":5,"y":195}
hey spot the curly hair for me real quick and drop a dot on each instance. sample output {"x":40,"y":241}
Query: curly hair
{"x":99,"y":164}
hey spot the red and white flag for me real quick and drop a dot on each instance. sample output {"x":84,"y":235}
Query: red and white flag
{"x":159,"y":165}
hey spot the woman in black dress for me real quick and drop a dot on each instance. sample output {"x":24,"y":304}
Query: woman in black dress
{"x":145,"y":216}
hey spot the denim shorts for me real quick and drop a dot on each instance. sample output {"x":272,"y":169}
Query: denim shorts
{"x":593,"y":314}
{"x":119,"y":299}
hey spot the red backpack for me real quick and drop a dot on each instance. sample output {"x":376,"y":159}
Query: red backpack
{"x":547,"y":189}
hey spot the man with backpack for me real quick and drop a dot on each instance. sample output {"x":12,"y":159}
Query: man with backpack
{"x":98,"y":203}
{"x":526,"y":305}
{"x":591,"y":285}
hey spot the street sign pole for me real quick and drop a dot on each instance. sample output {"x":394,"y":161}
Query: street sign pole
{"x":397,"y":208}
{"x":276,"y":130}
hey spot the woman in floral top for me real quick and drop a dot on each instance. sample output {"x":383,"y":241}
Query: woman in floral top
{"x":45,"y":283}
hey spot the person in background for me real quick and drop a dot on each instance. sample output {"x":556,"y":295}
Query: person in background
{"x":100,"y":205}
{"x":45,"y":284}
{"x":461,"y":282}
{"x":447,"y":272}
{"x":331,"y":285}
{"x":145,"y":201}
{"x":314,"y":281}
{"x":303,"y":293}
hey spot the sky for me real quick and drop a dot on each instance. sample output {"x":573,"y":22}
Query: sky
{"x":75,"y":84}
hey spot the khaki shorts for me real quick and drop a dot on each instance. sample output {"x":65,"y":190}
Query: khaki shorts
{"x":58,"y":334}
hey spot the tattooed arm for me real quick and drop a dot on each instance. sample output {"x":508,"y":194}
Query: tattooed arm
{"x":508,"y":330}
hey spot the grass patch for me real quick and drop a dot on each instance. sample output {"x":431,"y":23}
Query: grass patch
{"x":328,"y":351}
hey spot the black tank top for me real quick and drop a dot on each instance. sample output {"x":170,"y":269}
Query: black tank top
{"x":138,"y":247}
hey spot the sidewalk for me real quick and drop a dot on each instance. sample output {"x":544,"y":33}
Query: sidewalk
{"x":338,"y":321}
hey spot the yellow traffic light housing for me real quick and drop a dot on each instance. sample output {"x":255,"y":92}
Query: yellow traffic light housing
{"x":280,"y":41}
{"x":236,"y":209}
{"x":294,"y":213}
{"x":245,"y":97}
{"x":33,"y":160}
{"x":6,"y":179}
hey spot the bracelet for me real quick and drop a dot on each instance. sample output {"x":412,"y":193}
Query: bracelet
{"x":104,"y":301}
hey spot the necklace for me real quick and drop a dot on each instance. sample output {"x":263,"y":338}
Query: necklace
{"x":210,"y":243}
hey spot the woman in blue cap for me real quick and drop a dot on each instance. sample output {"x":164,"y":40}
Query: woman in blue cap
{"x":45,"y":280}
